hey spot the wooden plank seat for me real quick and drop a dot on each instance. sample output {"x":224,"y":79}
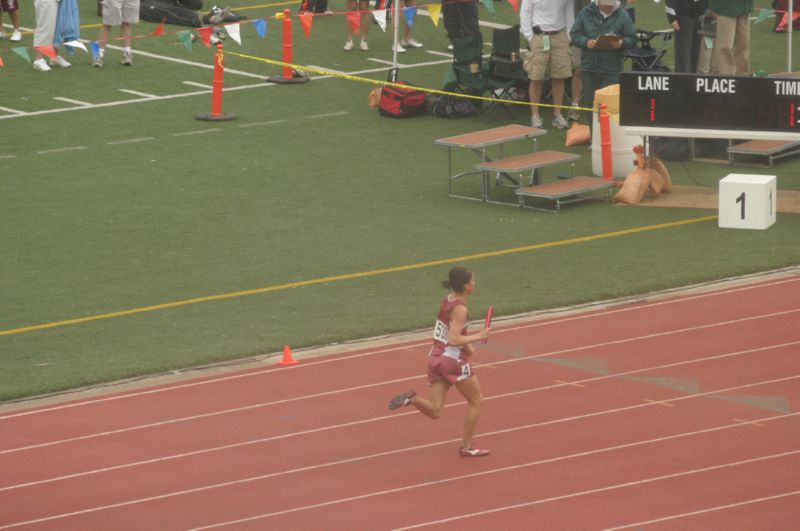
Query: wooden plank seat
{"x":771,"y":149}
{"x":478,"y":142}
{"x":566,"y":191}
{"x":528,"y":163}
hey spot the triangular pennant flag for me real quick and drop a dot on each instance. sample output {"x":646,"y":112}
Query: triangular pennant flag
{"x":205,"y":34}
{"x":48,"y":50}
{"x":489,"y":5}
{"x":435,"y":11}
{"x":306,"y":20}
{"x":514,"y":4}
{"x":354,"y":21}
{"x":764,"y":14}
{"x":22,"y":52}
{"x":233,"y":31}
{"x":261,"y":27}
{"x":1,"y":62}
{"x":380,"y":18}
{"x":95,"y":46}
{"x":160,"y":29}
{"x":76,"y":44}
{"x":186,"y":38}
{"x":410,"y":13}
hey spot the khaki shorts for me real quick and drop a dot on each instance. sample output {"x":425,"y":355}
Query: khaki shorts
{"x":115,"y":12}
{"x":558,"y":57}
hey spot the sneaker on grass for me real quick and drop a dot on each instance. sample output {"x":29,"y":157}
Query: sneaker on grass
{"x":559,"y":122}
{"x":536,"y":121}
{"x":16,"y":36}
{"x":411,"y":43}
{"x":127,"y":58}
{"x":60,"y":62}
{"x":40,"y":65}
{"x":348,"y":45}
{"x":364,"y":46}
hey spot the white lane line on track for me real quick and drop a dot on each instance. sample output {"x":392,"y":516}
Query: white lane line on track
{"x":407,"y":487}
{"x":586,"y":492}
{"x":708,"y":510}
{"x":583,"y":316}
{"x":326,"y":115}
{"x":387,"y":417}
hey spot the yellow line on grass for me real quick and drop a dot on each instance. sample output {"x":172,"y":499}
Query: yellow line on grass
{"x":352,"y":276}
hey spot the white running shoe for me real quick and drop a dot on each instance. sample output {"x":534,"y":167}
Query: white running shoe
{"x":536,"y":121}
{"x":60,"y":62}
{"x":411,"y":43}
{"x":127,"y":58}
{"x":559,"y":122}
{"x":399,"y":48}
{"x":40,"y":65}
{"x":364,"y":46}
{"x":16,"y":36}
{"x":348,"y":45}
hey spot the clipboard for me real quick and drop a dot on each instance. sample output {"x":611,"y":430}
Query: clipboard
{"x":604,"y":42}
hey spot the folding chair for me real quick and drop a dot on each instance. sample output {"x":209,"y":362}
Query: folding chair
{"x":470,"y":76}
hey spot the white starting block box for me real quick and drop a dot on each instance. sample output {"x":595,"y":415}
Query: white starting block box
{"x":747,"y":201}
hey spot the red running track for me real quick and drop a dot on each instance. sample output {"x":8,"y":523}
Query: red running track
{"x":679,"y":413}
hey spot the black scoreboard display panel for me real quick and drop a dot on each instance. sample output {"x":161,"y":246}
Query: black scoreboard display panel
{"x":694,"y":101}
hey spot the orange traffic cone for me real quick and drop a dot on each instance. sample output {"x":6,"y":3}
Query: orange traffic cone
{"x":287,"y":357}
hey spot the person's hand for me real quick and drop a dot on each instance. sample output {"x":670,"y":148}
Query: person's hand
{"x":591,"y":43}
{"x":676,"y":25}
{"x":485,"y":333}
{"x":617,"y":44}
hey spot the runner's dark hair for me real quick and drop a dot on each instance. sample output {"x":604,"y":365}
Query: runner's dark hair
{"x":459,"y":277}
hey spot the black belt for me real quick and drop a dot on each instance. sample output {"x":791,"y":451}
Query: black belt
{"x":540,"y":32}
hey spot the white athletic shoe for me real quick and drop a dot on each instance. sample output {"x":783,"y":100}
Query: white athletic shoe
{"x":348,"y":45}
{"x":60,"y":62}
{"x":411,"y":43}
{"x":364,"y":46}
{"x":16,"y":36}
{"x":399,"y":48}
{"x":40,"y":65}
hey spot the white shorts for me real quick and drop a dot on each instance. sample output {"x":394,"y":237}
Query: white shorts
{"x":115,"y":12}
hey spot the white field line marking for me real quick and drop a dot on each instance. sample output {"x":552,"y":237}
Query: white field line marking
{"x":326,"y":115}
{"x":60,"y":150}
{"x":7,"y":157}
{"x":201,"y":132}
{"x":386,"y":417}
{"x":75,"y":102}
{"x":390,"y":349}
{"x":399,"y":489}
{"x":130,"y":141}
{"x":708,"y":510}
{"x":442,"y":54}
{"x":318,"y":67}
{"x":385,"y":62}
{"x":137,"y":93}
{"x":10,"y":110}
{"x":582,"y":316}
{"x":196,"y":84}
{"x":598,"y":490}
{"x":259,"y":124}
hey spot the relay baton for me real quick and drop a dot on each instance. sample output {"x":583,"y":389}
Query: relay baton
{"x":488,"y":321}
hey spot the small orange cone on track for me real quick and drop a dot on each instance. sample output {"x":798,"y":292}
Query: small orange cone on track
{"x":287,"y":357}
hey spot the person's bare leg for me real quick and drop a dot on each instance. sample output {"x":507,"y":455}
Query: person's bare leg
{"x":471,"y":390}
{"x":432,"y":407}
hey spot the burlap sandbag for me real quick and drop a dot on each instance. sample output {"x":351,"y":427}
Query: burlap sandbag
{"x":636,"y":183}
{"x":654,"y":163}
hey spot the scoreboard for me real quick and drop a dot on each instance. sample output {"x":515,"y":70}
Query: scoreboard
{"x":695,"y":101}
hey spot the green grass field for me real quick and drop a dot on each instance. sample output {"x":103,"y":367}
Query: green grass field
{"x":136,"y":239}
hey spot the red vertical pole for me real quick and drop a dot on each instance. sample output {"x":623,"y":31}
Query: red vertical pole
{"x":288,"y":73}
{"x":605,"y":143}
{"x":216,"y":114}
{"x":218,"y":83}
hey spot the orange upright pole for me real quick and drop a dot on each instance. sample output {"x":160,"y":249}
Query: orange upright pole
{"x":287,"y":44}
{"x":290,"y":75}
{"x":216,"y":91}
{"x":605,"y":143}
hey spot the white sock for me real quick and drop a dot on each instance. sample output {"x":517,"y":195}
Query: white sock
{"x":102,"y":52}
{"x":127,"y":49}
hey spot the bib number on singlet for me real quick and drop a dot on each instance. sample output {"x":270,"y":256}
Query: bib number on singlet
{"x":441,"y":332}
{"x":465,"y":372}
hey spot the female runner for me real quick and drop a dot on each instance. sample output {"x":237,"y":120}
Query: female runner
{"x":448,"y":361}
